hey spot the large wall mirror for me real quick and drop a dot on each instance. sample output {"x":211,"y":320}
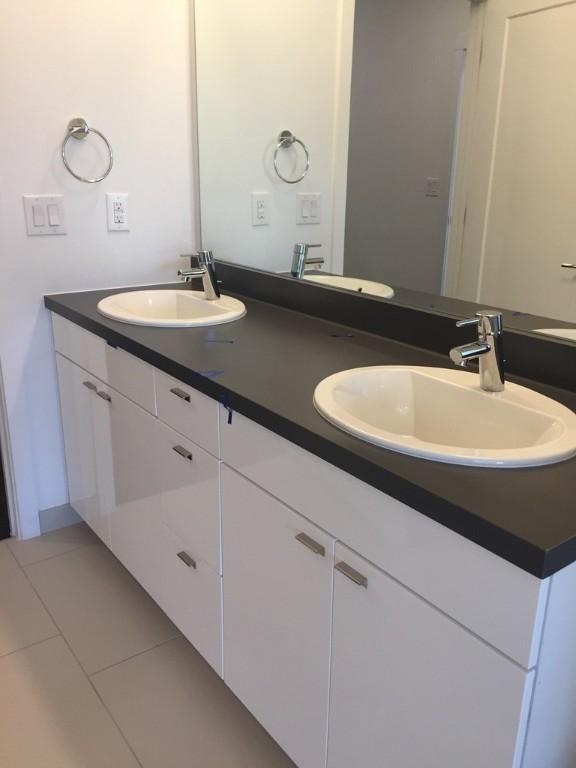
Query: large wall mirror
{"x":428,"y":147}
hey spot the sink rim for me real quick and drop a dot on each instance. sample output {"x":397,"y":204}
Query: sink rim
{"x":554,"y":451}
{"x":229,"y":309}
{"x":385,"y":291}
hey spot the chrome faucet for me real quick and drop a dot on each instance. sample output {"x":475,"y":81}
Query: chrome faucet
{"x":488,"y":350}
{"x":206,"y":270}
{"x":301,"y":259}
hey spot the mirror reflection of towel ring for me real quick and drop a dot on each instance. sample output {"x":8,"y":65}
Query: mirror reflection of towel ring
{"x":286,"y":140}
{"x":78,"y":129}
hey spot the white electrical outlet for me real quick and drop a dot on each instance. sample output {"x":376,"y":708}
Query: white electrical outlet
{"x":260,"y":209}
{"x":117,"y":211}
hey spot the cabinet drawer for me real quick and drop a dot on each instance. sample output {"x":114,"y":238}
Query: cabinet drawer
{"x":82,"y":347}
{"x":189,"y":494}
{"x":129,"y":375}
{"x":188,"y":411}
{"x":495,"y":599}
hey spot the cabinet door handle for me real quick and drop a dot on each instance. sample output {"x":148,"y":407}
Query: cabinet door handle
{"x":317,"y":548}
{"x":104,"y":396}
{"x":352,"y":574}
{"x":90,"y":386}
{"x":181,"y":394}
{"x":181,"y":451}
{"x":187,"y":559}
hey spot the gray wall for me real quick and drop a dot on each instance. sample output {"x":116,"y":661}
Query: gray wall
{"x":405,"y":86}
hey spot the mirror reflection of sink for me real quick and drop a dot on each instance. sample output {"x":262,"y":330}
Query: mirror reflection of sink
{"x":355,"y":284}
{"x":170,"y":308}
{"x":443,"y":415}
{"x":560,"y":333}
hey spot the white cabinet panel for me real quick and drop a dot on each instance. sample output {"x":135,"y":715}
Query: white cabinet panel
{"x":412,"y":688}
{"x":85,"y":349}
{"x":187,"y":411}
{"x":495,"y":599}
{"x":277,"y":608}
{"x":190,"y":494}
{"x":153,"y":486}
{"x":81,"y":422}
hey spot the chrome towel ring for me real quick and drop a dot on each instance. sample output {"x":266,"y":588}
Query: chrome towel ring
{"x":78,"y":129}
{"x":286,"y":140}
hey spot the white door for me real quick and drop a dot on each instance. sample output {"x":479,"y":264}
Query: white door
{"x":79,"y":404}
{"x":277,"y":615}
{"x":410,"y":688}
{"x":520,"y":221}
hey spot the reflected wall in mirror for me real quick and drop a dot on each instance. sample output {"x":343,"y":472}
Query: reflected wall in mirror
{"x":440,"y":136}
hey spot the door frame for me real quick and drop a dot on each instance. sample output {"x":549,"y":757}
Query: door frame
{"x":466,"y":134}
{"x":7,"y":463}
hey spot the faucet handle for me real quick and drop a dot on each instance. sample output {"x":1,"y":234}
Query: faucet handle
{"x":489,"y":322}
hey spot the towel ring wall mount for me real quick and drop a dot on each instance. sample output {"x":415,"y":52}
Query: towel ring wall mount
{"x":286,"y":139}
{"x":79,"y":129}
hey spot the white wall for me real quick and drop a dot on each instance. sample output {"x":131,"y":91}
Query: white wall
{"x":263,"y":67}
{"x":125,"y":67}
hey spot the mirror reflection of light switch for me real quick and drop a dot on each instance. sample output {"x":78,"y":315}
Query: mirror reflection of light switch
{"x":309,"y":208}
{"x":44,"y":214}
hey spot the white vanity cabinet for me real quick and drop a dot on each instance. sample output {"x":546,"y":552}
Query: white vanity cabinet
{"x":358,"y":631}
{"x":82,"y":424}
{"x":409,"y":687}
{"x":277,"y":617}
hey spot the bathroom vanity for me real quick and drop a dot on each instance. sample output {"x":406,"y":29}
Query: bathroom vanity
{"x":369,"y":608}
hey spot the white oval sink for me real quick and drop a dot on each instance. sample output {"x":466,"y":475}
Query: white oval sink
{"x":443,"y":415}
{"x":560,"y":333}
{"x":355,"y":284}
{"x":170,"y":308}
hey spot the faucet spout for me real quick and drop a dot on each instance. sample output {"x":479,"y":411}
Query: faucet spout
{"x":206,"y":270}
{"x":488,"y":350}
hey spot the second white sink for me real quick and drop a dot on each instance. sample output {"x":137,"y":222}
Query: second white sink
{"x":170,"y":308}
{"x":355,"y":284}
{"x":442,"y":414}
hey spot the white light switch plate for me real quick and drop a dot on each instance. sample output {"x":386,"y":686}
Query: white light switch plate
{"x":309,"y":208}
{"x":117,"y":211}
{"x":44,"y":214}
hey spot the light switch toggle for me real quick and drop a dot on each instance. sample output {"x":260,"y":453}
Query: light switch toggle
{"x":38,"y":216}
{"x":44,"y":214}
{"x":53,"y":215}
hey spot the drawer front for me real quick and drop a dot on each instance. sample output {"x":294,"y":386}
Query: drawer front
{"x":188,"y":412}
{"x":82,"y":347}
{"x":129,"y":375}
{"x":190,"y":505}
{"x":493,"y":598}
{"x":132,"y":377}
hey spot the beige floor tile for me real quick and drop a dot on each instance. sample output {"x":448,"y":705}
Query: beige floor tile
{"x":175,"y":711}
{"x":23,"y":619}
{"x":99,"y":608}
{"x":51,"y":717}
{"x":51,"y":544}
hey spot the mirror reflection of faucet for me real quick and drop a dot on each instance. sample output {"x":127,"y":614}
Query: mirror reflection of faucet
{"x":206,"y":270}
{"x":301,"y":260}
{"x":488,"y":350}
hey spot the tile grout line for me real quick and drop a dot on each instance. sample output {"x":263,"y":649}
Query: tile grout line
{"x":118,"y":728}
{"x":50,"y":557}
{"x":179,"y":636}
{"x":30,"y":645}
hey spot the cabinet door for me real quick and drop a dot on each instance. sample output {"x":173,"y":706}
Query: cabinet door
{"x":409,"y":687}
{"x":79,"y":406}
{"x":277,"y":608}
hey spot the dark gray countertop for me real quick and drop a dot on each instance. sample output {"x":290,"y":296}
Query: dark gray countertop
{"x":267,"y":365}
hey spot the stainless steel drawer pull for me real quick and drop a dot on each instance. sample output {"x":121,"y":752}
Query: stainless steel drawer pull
{"x":90,"y":386}
{"x":104,"y":396}
{"x":187,"y":560}
{"x":318,"y":549}
{"x":352,"y":574}
{"x":181,"y":451}
{"x":181,"y":394}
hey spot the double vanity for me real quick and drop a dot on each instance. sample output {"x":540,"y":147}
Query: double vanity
{"x":371,"y":607}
